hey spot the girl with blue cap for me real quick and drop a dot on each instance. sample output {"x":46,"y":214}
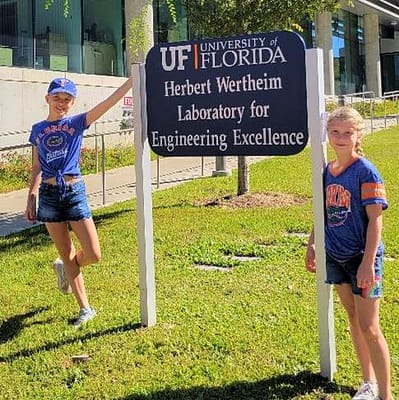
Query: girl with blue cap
{"x":57,"y":182}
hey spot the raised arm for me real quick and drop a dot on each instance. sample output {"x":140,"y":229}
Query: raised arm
{"x":100,"y":109}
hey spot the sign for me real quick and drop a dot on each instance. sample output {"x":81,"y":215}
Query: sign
{"x":243,"y":95}
{"x":128,"y":101}
{"x":127,"y":112}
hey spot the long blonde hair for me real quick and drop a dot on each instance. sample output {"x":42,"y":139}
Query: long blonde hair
{"x":346,"y":113}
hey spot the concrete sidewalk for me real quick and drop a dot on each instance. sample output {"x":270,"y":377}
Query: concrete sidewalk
{"x":120,"y":185}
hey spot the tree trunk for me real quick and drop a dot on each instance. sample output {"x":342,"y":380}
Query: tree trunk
{"x":243,"y":175}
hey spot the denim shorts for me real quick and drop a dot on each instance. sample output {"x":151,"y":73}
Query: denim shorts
{"x":339,"y":272}
{"x":57,"y":207}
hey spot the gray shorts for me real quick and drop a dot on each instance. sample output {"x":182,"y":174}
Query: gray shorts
{"x":54,"y":207}
{"x":339,"y":272}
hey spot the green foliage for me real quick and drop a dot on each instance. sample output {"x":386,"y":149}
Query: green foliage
{"x":49,"y":3}
{"x":14,"y":171}
{"x":370,"y":107}
{"x":115,"y":157}
{"x":221,"y":18}
{"x":15,"y":167}
{"x":172,"y":10}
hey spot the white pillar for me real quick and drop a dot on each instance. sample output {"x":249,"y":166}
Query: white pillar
{"x":372,"y":54}
{"x":132,"y":10}
{"x":323,"y":29}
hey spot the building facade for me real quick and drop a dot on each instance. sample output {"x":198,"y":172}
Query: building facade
{"x":90,"y":45}
{"x":361,"y":47}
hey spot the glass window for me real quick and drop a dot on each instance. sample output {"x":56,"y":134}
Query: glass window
{"x":57,"y":37}
{"x":348,"y":50}
{"x":390,"y":75}
{"x":165,"y":30}
{"x":89,"y":39}
{"x":103,"y":22}
{"x":308,"y":33}
{"x":16,"y":43}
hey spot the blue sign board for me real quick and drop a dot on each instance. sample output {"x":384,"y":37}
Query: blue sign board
{"x":242,"y":95}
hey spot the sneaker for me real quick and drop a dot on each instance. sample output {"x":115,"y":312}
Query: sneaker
{"x":62,"y":281}
{"x":367,"y":391}
{"x":85,"y":315}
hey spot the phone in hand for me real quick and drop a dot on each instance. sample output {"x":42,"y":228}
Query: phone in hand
{"x":32,"y":206}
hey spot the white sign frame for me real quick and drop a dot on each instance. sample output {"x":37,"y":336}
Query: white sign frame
{"x":316,"y":112}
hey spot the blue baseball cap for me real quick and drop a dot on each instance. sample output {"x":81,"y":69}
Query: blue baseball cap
{"x":62,"y":85}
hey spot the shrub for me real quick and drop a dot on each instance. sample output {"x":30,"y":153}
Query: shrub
{"x":15,"y":167}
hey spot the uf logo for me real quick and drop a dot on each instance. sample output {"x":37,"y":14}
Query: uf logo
{"x":177,"y":55}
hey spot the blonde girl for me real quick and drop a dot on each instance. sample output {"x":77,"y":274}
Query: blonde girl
{"x":354,"y":200}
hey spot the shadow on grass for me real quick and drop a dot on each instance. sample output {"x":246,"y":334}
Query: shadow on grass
{"x":11,"y":327}
{"x":282,"y":387}
{"x":102,"y":218}
{"x":54,"y":345}
{"x":33,"y":237}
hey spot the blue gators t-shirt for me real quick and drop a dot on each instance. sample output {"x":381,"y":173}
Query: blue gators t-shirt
{"x":346,"y":196}
{"x":59,"y":144}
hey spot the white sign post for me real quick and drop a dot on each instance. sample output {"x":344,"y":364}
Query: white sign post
{"x":145,"y":236}
{"x":316,"y":112}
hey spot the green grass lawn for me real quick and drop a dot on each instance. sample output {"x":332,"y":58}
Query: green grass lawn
{"x":249,"y":333}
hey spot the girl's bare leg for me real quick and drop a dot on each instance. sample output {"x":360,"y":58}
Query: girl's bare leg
{"x":347,"y":299}
{"x":369,"y":342}
{"x":86,"y":233}
{"x":89,"y":253}
{"x":369,"y":322}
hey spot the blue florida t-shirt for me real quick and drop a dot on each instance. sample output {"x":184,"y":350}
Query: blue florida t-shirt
{"x":59,"y":144}
{"x":346,"y":197}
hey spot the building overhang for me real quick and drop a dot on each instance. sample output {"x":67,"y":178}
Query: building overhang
{"x":387,"y":11}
